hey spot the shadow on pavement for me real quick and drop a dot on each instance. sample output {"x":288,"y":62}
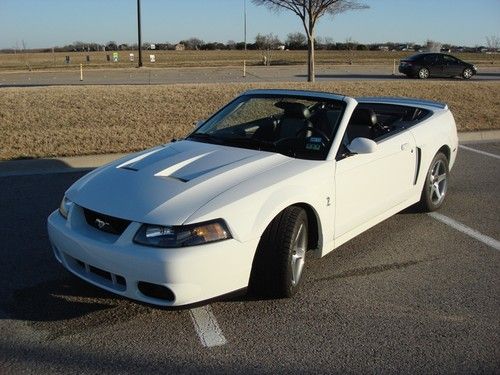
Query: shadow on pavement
{"x":35,"y":286}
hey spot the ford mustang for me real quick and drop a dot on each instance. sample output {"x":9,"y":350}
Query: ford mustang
{"x":271,"y":177}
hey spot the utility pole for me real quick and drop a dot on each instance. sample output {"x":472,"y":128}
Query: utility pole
{"x":245,"y":22}
{"x":245,"y":32}
{"x":139,"y":44}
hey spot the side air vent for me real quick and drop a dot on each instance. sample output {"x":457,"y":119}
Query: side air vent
{"x":417,"y":164}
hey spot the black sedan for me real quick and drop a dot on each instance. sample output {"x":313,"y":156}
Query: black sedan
{"x":425,"y":65}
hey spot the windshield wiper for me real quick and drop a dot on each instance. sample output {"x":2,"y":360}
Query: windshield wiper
{"x":205,"y":137}
{"x":261,"y":144}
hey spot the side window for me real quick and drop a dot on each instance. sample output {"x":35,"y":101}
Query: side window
{"x":430,"y":59}
{"x":449,"y":60}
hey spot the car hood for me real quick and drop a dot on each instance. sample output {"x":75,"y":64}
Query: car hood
{"x":165,"y":185}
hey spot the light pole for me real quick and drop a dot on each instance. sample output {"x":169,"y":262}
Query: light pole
{"x":245,"y":22}
{"x":245,"y":32}
{"x":139,"y":44}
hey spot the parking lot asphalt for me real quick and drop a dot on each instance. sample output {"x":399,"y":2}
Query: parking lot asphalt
{"x":147,"y":76}
{"x":411,"y":295}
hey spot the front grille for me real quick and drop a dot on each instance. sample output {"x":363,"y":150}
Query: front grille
{"x":105,"y":223}
{"x":103,"y":277}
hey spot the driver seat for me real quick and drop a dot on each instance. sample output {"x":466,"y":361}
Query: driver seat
{"x":295,"y":117}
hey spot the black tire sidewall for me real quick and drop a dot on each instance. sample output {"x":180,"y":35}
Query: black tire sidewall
{"x":271,"y":274}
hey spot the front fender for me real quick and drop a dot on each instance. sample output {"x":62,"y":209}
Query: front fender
{"x":249,"y":207}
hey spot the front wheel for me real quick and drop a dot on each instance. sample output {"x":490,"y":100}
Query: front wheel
{"x":280,"y":257}
{"x":467,"y":73}
{"x":423,"y":73}
{"x":436,"y":184}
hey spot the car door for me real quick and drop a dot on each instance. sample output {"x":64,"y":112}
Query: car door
{"x":436,"y":65}
{"x":368,"y":185}
{"x":453,"y":67}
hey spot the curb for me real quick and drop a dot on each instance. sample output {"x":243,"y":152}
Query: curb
{"x":88,"y":162}
{"x":483,"y":136}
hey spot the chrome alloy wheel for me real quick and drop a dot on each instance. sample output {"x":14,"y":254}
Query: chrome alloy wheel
{"x":423,"y":73}
{"x":467,"y":73}
{"x":438,"y":182}
{"x":298,"y":254}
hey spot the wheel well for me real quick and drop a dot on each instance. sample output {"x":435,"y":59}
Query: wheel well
{"x":312,"y":224}
{"x":446,"y":151}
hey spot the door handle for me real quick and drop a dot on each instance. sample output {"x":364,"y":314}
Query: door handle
{"x":405,"y":146}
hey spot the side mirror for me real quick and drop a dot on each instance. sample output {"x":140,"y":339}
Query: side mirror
{"x":362,"y":146}
{"x":198,"y":123}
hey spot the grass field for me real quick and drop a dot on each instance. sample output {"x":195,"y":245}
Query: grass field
{"x":37,"y":61}
{"x":60,"y":121}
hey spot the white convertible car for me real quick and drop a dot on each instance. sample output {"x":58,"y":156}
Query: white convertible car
{"x":272,"y":176}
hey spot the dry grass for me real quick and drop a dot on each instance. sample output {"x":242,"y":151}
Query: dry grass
{"x":215,"y":58}
{"x":57,"y":121}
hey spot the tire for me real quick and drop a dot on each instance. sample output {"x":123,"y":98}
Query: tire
{"x":423,"y":73}
{"x":280,"y":257}
{"x":467,"y":73}
{"x":436,"y":184}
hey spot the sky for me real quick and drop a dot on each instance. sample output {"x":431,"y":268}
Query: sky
{"x":47,"y":23}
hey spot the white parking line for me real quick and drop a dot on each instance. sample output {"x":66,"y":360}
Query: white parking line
{"x":480,"y":152}
{"x":467,"y":230}
{"x":206,"y":326}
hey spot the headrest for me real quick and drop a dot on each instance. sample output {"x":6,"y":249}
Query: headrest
{"x":363,"y":116}
{"x":293,"y":109}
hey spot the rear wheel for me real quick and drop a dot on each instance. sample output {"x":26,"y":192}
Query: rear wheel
{"x":467,"y":73}
{"x":423,"y":73}
{"x":280,"y":257}
{"x":436,"y":184}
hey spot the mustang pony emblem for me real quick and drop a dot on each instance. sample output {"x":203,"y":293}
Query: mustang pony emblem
{"x":101,"y":223}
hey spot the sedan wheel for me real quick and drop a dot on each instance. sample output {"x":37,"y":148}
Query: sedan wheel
{"x":280,"y":258}
{"x":436,"y":184}
{"x":467,"y":73}
{"x":423,"y":73}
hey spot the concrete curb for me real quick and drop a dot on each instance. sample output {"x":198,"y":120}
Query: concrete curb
{"x":487,"y":135}
{"x":88,"y":162}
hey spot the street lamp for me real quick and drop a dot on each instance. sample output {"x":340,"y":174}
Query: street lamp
{"x":139,"y":44}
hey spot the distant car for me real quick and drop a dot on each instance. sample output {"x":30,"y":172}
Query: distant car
{"x":239,"y":201}
{"x":425,"y":65}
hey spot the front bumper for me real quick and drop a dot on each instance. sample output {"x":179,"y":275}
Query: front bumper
{"x":119,"y":265}
{"x":407,"y":69}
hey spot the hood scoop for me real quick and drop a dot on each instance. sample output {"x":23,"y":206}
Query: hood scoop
{"x":170,"y":171}
{"x":184,"y":162}
{"x":148,"y":158}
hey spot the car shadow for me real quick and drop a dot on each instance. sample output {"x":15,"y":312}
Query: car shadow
{"x":35,"y":288}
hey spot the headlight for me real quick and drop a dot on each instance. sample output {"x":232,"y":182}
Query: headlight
{"x":182,"y":236}
{"x":64,"y":207}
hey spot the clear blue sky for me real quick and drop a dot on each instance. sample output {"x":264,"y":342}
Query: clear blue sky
{"x":45,"y":23}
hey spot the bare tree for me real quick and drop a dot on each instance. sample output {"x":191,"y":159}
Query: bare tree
{"x":310,"y":11}
{"x":493,"y":42}
{"x":267,"y":44}
{"x":296,"y":41}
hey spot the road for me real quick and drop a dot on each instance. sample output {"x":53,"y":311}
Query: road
{"x":411,"y":295}
{"x":147,"y":76}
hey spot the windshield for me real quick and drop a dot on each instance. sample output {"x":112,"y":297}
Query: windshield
{"x":294,"y":126}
